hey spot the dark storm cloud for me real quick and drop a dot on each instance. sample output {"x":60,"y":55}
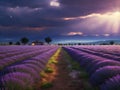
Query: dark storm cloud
{"x":29,"y":22}
{"x":17,"y":16}
{"x":24,"y":3}
{"x":24,"y":16}
{"x":94,"y":4}
{"x":38,"y":12}
{"x":83,"y":7}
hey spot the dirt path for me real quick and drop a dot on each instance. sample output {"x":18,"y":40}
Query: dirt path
{"x":60,"y":78}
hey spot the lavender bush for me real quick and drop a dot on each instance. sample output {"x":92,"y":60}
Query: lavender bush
{"x":101,"y":64}
{"x":103,"y":74}
{"x":112,"y":84}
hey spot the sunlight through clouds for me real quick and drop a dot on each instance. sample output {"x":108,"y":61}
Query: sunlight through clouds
{"x":64,"y":19}
{"x":54,"y":3}
{"x":110,"y":21}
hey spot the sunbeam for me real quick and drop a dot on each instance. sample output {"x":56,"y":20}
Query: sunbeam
{"x":110,"y":21}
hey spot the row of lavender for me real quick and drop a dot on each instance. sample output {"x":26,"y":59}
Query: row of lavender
{"x":110,"y":52}
{"x":104,"y":73}
{"x":113,"y":49}
{"x":25,"y":53}
{"x":23,"y":71}
{"x":9,"y":51}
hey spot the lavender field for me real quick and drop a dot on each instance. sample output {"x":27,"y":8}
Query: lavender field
{"x":20,"y":66}
{"x":27,"y":67}
{"x":59,"y":44}
{"x":102,"y":63}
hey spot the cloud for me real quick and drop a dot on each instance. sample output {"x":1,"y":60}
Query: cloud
{"x":78,"y":17}
{"x":22,"y":10}
{"x":106,"y":35}
{"x":82,"y":17}
{"x":74,"y":33}
{"x":54,"y":3}
{"x":85,"y":4}
{"x":35,"y":28}
{"x":24,"y":3}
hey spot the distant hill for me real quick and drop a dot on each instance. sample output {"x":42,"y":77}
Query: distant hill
{"x":107,"y":42}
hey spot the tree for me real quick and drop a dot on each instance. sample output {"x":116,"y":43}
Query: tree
{"x":24,"y":40}
{"x":111,"y":42}
{"x":48,"y":40}
{"x":17,"y":43}
{"x":79,"y":43}
{"x":10,"y":43}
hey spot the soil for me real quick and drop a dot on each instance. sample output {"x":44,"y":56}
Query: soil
{"x":60,"y":78}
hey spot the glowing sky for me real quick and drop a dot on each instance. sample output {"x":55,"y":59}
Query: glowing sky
{"x":54,"y":3}
{"x":63,"y":20}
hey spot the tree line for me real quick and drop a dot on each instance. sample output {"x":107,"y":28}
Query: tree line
{"x":25,"y":40}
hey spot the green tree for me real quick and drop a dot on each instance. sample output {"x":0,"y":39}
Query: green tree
{"x":111,"y":42}
{"x":10,"y":43}
{"x":24,"y":40}
{"x":17,"y":43}
{"x":48,"y":40}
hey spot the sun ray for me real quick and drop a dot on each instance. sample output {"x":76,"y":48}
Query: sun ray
{"x":110,"y":21}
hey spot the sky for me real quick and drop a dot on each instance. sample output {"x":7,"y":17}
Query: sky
{"x":62,"y":20}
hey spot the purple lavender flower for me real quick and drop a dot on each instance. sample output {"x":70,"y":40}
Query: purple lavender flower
{"x":35,"y":63}
{"x":103,"y":74}
{"x":12,"y":84}
{"x":101,"y":64}
{"x":25,"y":69}
{"x":112,"y":84}
{"x":17,"y":79}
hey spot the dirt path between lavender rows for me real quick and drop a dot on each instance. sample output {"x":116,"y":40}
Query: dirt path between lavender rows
{"x":60,"y":78}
